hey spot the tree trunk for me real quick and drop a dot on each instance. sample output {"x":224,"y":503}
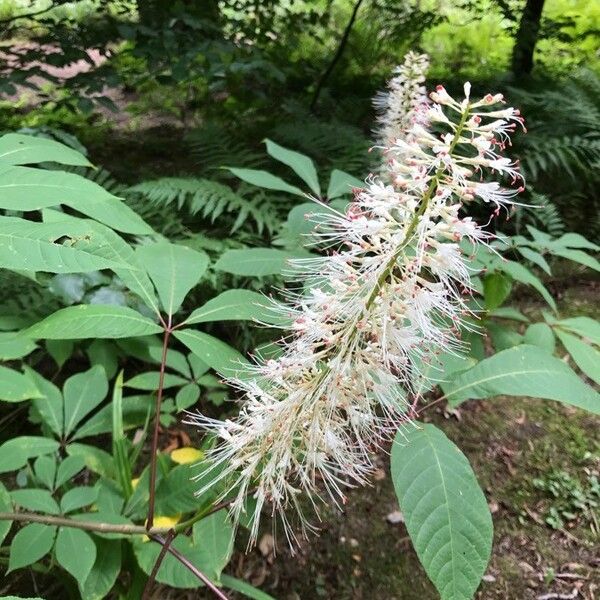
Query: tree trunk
{"x":526,"y":38}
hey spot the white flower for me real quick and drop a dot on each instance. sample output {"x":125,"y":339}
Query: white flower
{"x":386,"y":299}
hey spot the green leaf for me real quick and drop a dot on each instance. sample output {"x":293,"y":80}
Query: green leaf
{"x":266,"y":180}
{"x":523,"y":371}
{"x":518,"y":272}
{"x":77,"y":497}
{"x":301,"y":164}
{"x":213,"y":536}
{"x":19,"y":149}
{"x":149,"y":381}
{"x":92,"y":321}
{"x":30,"y":544}
{"x":82,"y":393}
{"x":68,"y":468}
{"x":29,"y":246}
{"x":508,"y":312}
{"x":50,"y":405}
{"x":445,"y":511}
{"x":45,"y":470}
{"x":15,"y":452}
{"x":26,"y":189}
{"x":174,"y":269}
{"x":215,"y":353}
{"x":135,"y":411}
{"x":16,"y":386}
{"x":60,"y":350}
{"x":12,"y":346}
{"x":586,"y":357}
{"x":536,"y":258}
{"x":119,"y":440}
{"x":342,"y":183}
{"x":574,"y":240}
{"x":95,"y":459}
{"x":541,"y":335}
{"x":244,"y":588}
{"x":177,"y":492}
{"x":234,"y":305}
{"x":503,"y":337}
{"x":496,"y":288}
{"x":5,"y":506}
{"x":105,"y":353}
{"x":254,"y":262}
{"x":587,"y":328}
{"x":579,"y":256}
{"x":187,"y":396}
{"x":75,"y":552}
{"x":36,"y":500}
{"x":105,"y":571}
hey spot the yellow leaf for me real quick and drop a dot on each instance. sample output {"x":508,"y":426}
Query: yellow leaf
{"x":163,"y":522}
{"x":186,"y":455}
{"x":134,"y":482}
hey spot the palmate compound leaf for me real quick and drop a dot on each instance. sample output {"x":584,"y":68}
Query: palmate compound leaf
{"x":445,"y":511}
{"x":26,"y":189}
{"x":522,"y":371}
{"x":92,"y":321}
{"x":20,"y":149}
{"x":174,"y":269}
{"x":29,"y":246}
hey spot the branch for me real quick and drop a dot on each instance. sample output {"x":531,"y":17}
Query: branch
{"x":163,"y":552}
{"x":323,"y":79}
{"x":28,"y":517}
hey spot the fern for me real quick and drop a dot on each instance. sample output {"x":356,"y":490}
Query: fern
{"x":561,"y":152}
{"x":542,"y":213}
{"x":210,"y":200}
{"x":213,"y":147}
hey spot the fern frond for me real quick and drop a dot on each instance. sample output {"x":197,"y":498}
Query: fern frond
{"x":570,"y":154}
{"x":213,"y":147}
{"x":210,"y":200}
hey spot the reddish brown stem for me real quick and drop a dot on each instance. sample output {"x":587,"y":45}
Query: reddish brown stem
{"x":186,"y":563}
{"x":154,"y":450}
{"x":163,"y":552}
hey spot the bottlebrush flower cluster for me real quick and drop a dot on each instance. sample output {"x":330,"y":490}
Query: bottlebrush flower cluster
{"x":406,"y":92}
{"x":386,"y":299}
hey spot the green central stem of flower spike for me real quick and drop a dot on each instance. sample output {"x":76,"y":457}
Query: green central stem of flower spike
{"x":432,"y":188}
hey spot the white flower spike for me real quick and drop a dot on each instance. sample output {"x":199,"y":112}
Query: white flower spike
{"x":383,"y":304}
